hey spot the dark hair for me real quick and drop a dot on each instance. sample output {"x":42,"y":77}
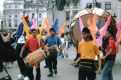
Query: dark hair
{"x":86,"y":30}
{"x":33,"y":30}
{"x":52,"y":29}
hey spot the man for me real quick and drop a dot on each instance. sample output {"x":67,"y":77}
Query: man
{"x":33,"y":45}
{"x":52,"y":59}
{"x":109,"y":57}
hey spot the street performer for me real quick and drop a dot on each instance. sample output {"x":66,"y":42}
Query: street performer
{"x":33,"y":44}
{"x":87,"y":50}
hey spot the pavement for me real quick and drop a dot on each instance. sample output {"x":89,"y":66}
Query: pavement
{"x":65,"y":70}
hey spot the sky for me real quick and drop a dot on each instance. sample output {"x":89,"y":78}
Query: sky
{"x":1,"y":4}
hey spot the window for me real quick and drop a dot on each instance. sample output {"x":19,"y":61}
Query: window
{"x":33,"y":15}
{"x":99,"y":5}
{"x":16,"y":16}
{"x":9,"y":22}
{"x":16,"y":21}
{"x":75,"y":12}
{"x":107,"y":5}
{"x":67,"y":15}
{"x":39,"y":15}
{"x":9,"y":16}
{"x":67,"y":4}
{"x":15,"y":6}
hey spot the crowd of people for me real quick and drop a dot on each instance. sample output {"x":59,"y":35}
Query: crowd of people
{"x":87,"y":50}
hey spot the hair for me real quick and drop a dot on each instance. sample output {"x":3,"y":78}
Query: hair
{"x":52,"y":29}
{"x":86,"y":30}
{"x":33,"y":30}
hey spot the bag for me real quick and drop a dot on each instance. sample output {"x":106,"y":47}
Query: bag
{"x":6,"y":77}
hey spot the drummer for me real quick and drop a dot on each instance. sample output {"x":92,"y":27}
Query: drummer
{"x":33,"y":44}
{"x":87,"y":50}
{"x":52,"y":60}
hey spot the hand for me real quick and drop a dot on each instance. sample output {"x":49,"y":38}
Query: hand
{"x":99,"y":71}
{"x":20,"y":55}
{"x":103,"y":57}
{"x":74,"y":62}
{"x":6,"y":38}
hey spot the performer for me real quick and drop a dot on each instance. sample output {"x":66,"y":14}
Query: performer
{"x":50,"y":41}
{"x":109,"y":56}
{"x":87,"y":50}
{"x":33,"y":44}
{"x":20,"y":42}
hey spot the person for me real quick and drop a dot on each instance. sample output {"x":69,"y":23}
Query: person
{"x":33,"y":44}
{"x":109,"y":57}
{"x":20,"y":42}
{"x":87,"y":50}
{"x":50,"y":41}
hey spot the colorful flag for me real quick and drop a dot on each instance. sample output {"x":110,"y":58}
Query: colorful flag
{"x":55,"y":26}
{"x":102,"y":31}
{"x":26,"y":28}
{"x":93,"y":25}
{"x":81,"y":24}
{"x":47,"y":26}
{"x":34,"y":26}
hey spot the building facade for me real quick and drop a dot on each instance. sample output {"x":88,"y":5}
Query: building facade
{"x":12,"y":13}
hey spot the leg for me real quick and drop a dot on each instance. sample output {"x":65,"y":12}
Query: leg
{"x":50,"y":66}
{"x":82,"y":74}
{"x":55,"y":63}
{"x":91,"y":75}
{"x":38,"y":74}
{"x":30,"y":73}
{"x":107,"y":68}
{"x":110,"y":76}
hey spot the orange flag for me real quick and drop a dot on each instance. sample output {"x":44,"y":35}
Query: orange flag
{"x":47,"y":26}
{"x":62,"y":29}
{"x":92,"y":25}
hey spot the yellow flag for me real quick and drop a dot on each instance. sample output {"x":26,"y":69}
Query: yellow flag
{"x":26,"y":28}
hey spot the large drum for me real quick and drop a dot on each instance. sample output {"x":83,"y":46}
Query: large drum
{"x":35,"y":57}
{"x":86,"y":15}
{"x":39,"y":55}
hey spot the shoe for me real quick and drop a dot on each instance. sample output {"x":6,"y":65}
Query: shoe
{"x":55,"y":71}
{"x":26,"y":78}
{"x":20,"y":77}
{"x":50,"y":75}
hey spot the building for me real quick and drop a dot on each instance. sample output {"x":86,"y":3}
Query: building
{"x":35,"y":9}
{"x":12,"y":13}
{"x":112,"y":6}
{"x":1,"y":20}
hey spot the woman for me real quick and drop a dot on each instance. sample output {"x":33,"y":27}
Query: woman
{"x":87,"y":50}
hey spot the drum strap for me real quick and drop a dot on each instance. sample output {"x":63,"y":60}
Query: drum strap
{"x":39,"y":42}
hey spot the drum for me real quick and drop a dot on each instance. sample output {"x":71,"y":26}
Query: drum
{"x":35,"y":57}
{"x":53,"y":49}
{"x":86,"y":15}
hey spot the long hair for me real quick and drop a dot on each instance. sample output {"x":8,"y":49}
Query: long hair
{"x":86,"y":30}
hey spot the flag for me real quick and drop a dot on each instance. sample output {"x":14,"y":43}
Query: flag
{"x":81,"y":24}
{"x":93,"y":25}
{"x":34,"y":25}
{"x":26,"y":28}
{"x":62,"y":29}
{"x":118,"y":35}
{"x":55,"y":26}
{"x":102,"y":31}
{"x":47,"y":26}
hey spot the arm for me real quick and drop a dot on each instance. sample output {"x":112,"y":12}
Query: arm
{"x":107,"y":54}
{"x":99,"y":64}
{"x":23,"y":48}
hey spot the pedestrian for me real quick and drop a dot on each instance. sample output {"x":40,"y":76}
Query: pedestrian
{"x":109,"y":57}
{"x":50,"y":41}
{"x":33,"y":44}
{"x":87,"y":50}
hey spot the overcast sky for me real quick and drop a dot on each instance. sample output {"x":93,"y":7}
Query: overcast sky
{"x":1,"y":5}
